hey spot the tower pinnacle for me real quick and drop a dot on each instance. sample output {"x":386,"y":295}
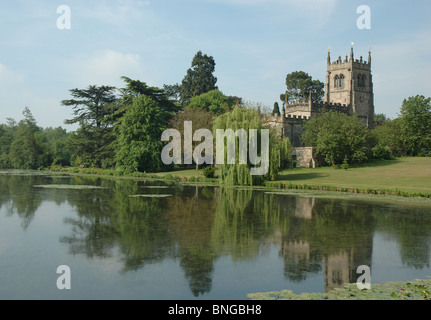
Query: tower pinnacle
{"x":369,"y":56}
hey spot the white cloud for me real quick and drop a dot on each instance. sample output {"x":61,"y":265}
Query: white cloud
{"x":103,"y":67}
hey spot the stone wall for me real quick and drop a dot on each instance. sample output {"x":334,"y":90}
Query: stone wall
{"x":304,"y":157}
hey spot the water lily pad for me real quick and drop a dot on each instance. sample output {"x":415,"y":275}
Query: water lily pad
{"x":150,"y":195}
{"x":67,"y":186}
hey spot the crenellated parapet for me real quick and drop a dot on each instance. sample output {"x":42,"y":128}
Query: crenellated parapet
{"x":329,"y":106}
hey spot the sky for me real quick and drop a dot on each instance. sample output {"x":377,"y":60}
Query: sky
{"x":254,"y":43}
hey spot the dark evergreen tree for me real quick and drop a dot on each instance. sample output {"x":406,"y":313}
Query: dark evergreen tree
{"x":199,"y":78}
{"x":92,"y":143}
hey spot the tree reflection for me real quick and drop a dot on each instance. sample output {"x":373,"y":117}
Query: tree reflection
{"x":199,"y":224}
{"x":18,"y":196}
{"x":411,"y":228}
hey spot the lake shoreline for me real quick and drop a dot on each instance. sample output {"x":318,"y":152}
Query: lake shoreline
{"x":196,"y":178}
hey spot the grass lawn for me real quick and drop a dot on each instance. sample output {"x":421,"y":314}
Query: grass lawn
{"x":407,"y":173}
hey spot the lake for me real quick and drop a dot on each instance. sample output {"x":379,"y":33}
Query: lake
{"x":136,"y":239}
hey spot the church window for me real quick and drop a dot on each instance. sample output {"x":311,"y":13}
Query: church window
{"x":341,"y":81}
{"x":361,"y":80}
{"x":336,"y":81}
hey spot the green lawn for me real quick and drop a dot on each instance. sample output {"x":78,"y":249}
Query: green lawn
{"x":410,"y":174}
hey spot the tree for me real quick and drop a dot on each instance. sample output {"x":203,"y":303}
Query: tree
{"x":278,"y":148}
{"x":92,"y":143}
{"x":24,"y":149}
{"x":212,"y":101}
{"x":201,"y":119}
{"x":57,"y":140}
{"x":199,"y":78}
{"x":380,"y":118}
{"x":387,"y":134}
{"x":7,"y":132}
{"x":415,"y":123}
{"x":336,"y":136}
{"x":139,"y":141}
{"x":299,"y":85}
{"x":136,"y":88}
{"x":276,"y":110}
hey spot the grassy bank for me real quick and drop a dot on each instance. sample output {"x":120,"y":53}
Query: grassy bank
{"x":405,"y":177}
{"x":408,"y":177}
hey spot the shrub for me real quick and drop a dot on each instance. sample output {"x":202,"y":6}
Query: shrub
{"x":345,"y":164}
{"x":209,"y":172}
{"x":381,"y":152}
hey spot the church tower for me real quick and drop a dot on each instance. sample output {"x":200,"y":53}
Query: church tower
{"x":349,"y":82}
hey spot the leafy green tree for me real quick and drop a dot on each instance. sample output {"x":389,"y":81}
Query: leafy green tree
{"x":415,"y":123}
{"x":92,"y":144}
{"x":57,"y":140}
{"x":247,"y":119}
{"x":299,"y":85}
{"x":7,"y":132}
{"x":380,"y":118}
{"x":199,"y":78}
{"x":24,"y":149}
{"x":200,"y":119}
{"x":139,"y":136}
{"x":387,"y":134}
{"x":337,"y":136}
{"x":212,"y":101}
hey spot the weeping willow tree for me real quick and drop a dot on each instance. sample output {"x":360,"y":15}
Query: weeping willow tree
{"x":242,"y":121}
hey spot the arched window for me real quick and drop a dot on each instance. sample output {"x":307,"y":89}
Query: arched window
{"x":336,"y":81}
{"x":341,"y":81}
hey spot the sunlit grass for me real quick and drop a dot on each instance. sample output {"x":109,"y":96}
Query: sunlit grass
{"x":408,"y":173}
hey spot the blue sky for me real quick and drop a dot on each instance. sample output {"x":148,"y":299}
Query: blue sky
{"x":255,"y":44}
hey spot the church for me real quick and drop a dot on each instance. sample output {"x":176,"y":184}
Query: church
{"x":348,"y":89}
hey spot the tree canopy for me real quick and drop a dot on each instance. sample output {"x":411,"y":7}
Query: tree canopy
{"x":337,"y":136}
{"x":212,"y":101}
{"x":199,"y":78}
{"x":140,"y":131}
{"x":240,"y":173}
{"x":93,"y":143}
{"x":299,"y":85}
{"x":415,"y":122}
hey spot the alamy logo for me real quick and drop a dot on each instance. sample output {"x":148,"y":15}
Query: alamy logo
{"x":364,"y":20}
{"x":225,"y":152}
{"x":64,"y":20}
{"x":63,"y":281}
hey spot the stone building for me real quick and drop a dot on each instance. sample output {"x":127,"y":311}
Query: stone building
{"x":348,"y":89}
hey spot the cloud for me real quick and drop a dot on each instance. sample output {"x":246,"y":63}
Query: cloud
{"x":102,"y":67}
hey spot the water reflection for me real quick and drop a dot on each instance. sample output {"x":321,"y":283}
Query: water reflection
{"x":198,"y":225}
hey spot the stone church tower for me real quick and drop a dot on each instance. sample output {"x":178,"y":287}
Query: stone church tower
{"x":348,"y":89}
{"x":350,"y":82}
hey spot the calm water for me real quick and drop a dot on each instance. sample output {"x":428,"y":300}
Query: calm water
{"x":196,"y":242}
